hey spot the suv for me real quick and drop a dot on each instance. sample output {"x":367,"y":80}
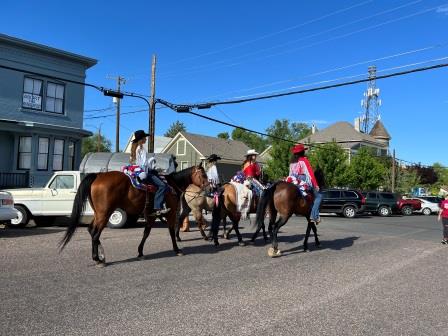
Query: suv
{"x":346,"y":203}
{"x":387,"y":203}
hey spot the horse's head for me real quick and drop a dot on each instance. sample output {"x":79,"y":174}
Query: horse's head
{"x":199,"y":177}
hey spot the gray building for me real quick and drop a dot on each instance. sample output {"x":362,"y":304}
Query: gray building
{"x":41,"y":117}
{"x":190,"y":149}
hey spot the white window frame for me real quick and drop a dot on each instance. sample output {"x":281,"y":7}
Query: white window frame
{"x":41,"y":93}
{"x":58,"y":154}
{"x":39,"y":153}
{"x":19,"y":153}
{"x":185,"y":147}
{"x":47,"y":97}
{"x":182,"y":165}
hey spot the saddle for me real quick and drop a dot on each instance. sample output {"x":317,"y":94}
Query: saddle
{"x":133,"y":172}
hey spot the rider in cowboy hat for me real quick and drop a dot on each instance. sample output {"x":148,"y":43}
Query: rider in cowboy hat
{"x":212,"y":171}
{"x":300,"y":168}
{"x":252,"y":171}
{"x":150,"y":175}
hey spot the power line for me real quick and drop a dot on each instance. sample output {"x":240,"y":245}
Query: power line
{"x":270,"y":34}
{"x":187,"y":107}
{"x":209,"y":66}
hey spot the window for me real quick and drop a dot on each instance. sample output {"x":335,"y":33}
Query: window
{"x":349,"y":194}
{"x":63,"y":182}
{"x":55,"y":98}
{"x":58,"y":154}
{"x":388,"y":196}
{"x":371,"y":195}
{"x":183,"y":165}
{"x":181,"y":147}
{"x":42,"y":155}
{"x":71,"y":155}
{"x":24,"y":152}
{"x":32,"y":94}
{"x":334,"y":194}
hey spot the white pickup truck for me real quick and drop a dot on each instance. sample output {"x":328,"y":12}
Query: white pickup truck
{"x":44,"y":205}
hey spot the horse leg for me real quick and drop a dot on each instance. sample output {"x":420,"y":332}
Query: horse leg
{"x":92,"y":230}
{"x":274,"y":251}
{"x":199,"y":222}
{"x":182,"y":216}
{"x":148,"y":226}
{"x":95,"y":230}
{"x":235,"y":223}
{"x":176,"y":249}
{"x":272,"y":218}
{"x":316,"y":239}
{"x":307,"y":235}
{"x":226,"y":234}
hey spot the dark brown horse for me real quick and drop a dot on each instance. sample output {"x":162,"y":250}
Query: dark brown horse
{"x":109,"y":191}
{"x":283,"y":199}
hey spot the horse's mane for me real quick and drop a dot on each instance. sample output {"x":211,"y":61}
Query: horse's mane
{"x":182,"y":175}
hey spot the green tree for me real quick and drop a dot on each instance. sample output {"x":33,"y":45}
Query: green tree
{"x":366,"y":172}
{"x":333,"y":161}
{"x":224,"y":135}
{"x":278,"y":166}
{"x":406,"y":180}
{"x":252,"y":140}
{"x":175,"y":128}
{"x":95,"y":143}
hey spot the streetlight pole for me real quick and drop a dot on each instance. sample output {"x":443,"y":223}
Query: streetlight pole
{"x":152,"y":107}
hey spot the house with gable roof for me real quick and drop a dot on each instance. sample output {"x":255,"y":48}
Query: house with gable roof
{"x":190,"y":149}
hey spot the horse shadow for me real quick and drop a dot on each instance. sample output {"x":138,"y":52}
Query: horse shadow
{"x":335,"y":245}
{"x":25,"y":232}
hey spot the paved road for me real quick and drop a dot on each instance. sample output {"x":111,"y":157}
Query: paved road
{"x":372,"y":276}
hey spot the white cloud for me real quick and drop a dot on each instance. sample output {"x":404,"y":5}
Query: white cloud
{"x":316,"y":122}
{"x":443,"y":10}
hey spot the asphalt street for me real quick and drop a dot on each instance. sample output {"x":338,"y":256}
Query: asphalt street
{"x":371,"y":276}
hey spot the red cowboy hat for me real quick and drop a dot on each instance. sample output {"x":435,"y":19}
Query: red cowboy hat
{"x":298,"y":148}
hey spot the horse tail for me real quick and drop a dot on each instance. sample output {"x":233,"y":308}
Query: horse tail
{"x":79,"y":206}
{"x":265,"y":199}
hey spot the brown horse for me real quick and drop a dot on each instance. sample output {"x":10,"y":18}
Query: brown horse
{"x":109,"y":191}
{"x":283,"y":199}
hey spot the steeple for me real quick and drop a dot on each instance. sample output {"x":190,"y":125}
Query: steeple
{"x":380,"y":133}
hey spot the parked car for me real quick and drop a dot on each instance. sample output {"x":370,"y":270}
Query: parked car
{"x":387,"y":203}
{"x":427,"y":207}
{"x":346,"y":203}
{"x":432,"y":199}
{"x":7,"y":211}
{"x":54,"y":200}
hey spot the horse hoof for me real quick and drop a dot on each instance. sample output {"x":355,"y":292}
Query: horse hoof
{"x":205,"y":238}
{"x":226,"y":236}
{"x":100,"y":264}
{"x":140,"y":257}
{"x":241,"y":243}
{"x":274,"y":253}
{"x":180,"y":253}
{"x":178,"y":239}
{"x":216,"y":244}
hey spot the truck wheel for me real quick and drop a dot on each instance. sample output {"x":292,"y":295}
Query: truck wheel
{"x":22,"y":219}
{"x":426,"y":211}
{"x":349,"y":211}
{"x":118,"y":219}
{"x":384,"y":211}
{"x":406,"y":210}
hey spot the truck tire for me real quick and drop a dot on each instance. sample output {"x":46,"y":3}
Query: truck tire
{"x":407,"y":210}
{"x":22,"y":219}
{"x":349,"y":211}
{"x":384,"y":211}
{"x":426,"y":211}
{"x":118,"y":219}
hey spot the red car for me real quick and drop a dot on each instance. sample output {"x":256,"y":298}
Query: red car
{"x":407,"y":205}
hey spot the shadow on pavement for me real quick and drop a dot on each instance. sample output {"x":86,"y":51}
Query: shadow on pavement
{"x":336,"y":245}
{"x":14,"y":233}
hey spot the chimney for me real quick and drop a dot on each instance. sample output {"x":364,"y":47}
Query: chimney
{"x":313,"y":129}
{"x":358,"y":124}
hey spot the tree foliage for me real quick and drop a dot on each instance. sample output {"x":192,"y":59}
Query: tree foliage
{"x":175,"y":128}
{"x":278,"y":165}
{"x":91,"y":144}
{"x":252,"y":140}
{"x":365,"y":172}
{"x":224,"y":135}
{"x":333,"y":161}
{"x":406,"y":180}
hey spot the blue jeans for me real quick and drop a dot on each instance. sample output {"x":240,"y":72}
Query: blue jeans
{"x":316,"y":205}
{"x":161,"y":189}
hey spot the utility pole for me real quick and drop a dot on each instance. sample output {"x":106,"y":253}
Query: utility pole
{"x":117,"y":101}
{"x":98,"y":140}
{"x":371,"y":102}
{"x":152,"y":109}
{"x":393,"y":172}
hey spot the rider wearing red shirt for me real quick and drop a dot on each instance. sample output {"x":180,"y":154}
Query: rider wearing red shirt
{"x":252,"y":170}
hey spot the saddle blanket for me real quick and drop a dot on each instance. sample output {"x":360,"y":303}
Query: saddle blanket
{"x":244,"y":198}
{"x":303,"y":187}
{"x":134,"y":171}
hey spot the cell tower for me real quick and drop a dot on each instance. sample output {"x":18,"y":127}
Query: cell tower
{"x":371,"y":102}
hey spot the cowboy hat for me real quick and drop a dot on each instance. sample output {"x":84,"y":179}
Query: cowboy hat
{"x":138,"y":135}
{"x":251,"y":152}
{"x":298,"y":148}
{"x":213,"y":157}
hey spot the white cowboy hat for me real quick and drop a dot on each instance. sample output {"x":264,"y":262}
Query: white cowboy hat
{"x":251,"y":152}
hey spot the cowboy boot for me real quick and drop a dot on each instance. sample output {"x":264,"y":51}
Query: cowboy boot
{"x":185,"y":225}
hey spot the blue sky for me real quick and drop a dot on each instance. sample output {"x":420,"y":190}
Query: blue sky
{"x":211,"y":50}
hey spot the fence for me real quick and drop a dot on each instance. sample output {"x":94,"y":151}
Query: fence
{"x":14,"y":180}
